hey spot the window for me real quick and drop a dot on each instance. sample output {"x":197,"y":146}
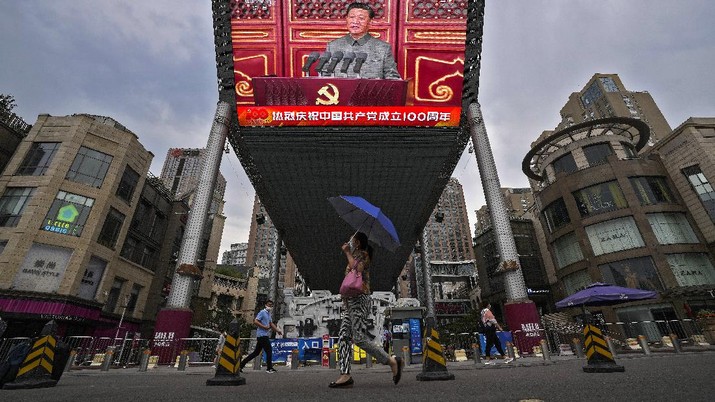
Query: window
{"x":692,"y":269}
{"x":599,"y":198}
{"x":629,"y":149}
{"x":672,"y":228}
{"x":702,"y":187}
{"x":68,"y":214}
{"x":12,"y":203}
{"x":134,"y":297}
{"x":576,"y":281}
{"x":565,"y":164}
{"x":608,"y":84}
{"x":111,"y":228}
{"x":113,"y":296}
{"x":556,"y":215}
{"x":652,"y":190}
{"x":567,"y":250}
{"x":596,"y":154}
{"x":614,"y":235}
{"x":637,"y":273}
{"x":89,"y":167}
{"x":3,"y":244}
{"x":591,"y":95}
{"x":38,"y":159}
{"x":128,"y":184}
{"x":139,"y":253}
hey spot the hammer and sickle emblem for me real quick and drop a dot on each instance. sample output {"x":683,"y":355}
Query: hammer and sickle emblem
{"x":329,"y":98}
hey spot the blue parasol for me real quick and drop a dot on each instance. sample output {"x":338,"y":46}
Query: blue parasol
{"x":367,"y":218}
{"x":603,"y":294}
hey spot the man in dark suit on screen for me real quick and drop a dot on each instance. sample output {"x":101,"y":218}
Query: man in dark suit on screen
{"x":380,"y":63}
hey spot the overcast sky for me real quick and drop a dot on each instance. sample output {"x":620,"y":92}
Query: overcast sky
{"x":150,"y":66}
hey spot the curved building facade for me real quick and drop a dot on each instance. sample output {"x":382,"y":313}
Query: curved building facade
{"x":612,"y":216}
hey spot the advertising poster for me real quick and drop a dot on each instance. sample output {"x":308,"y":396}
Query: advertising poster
{"x":308,"y":348}
{"x":310,"y":63}
{"x":91,"y":278}
{"x":43,"y":268}
{"x":415,"y":336}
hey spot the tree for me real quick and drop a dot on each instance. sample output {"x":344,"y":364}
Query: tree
{"x":7,"y":103}
{"x":222,"y":316}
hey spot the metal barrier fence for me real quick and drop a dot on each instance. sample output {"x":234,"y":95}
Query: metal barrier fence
{"x":128,"y":352}
{"x":565,"y":334}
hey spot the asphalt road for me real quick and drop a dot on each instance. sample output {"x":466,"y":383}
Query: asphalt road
{"x":667,"y":377}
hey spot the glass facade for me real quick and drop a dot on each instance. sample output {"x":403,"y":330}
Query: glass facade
{"x":128,"y":184}
{"x":614,"y":235}
{"x":567,"y":250}
{"x":111,"y":228}
{"x":89,"y":167}
{"x":556,"y":215}
{"x":652,"y":190}
{"x":576,"y":281}
{"x":702,"y":187}
{"x":597,"y":154}
{"x":565,"y":163}
{"x":638,"y":273}
{"x":692,"y":269}
{"x":599,"y":198}
{"x":591,"y":95}
{"x":608,"y":84}
{"x":12,"y":203}
{"x":38,"y":159}
{"x":672,"y":228}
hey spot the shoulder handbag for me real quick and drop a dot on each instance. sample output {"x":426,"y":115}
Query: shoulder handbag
{"x":352,"y":283}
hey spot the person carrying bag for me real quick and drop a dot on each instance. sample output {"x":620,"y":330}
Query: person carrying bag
{"x":357,"y":303}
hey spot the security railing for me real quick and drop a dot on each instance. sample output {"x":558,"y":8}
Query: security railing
{"x":202,"y":351}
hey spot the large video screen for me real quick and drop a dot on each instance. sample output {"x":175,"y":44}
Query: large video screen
{"x":335,"y":63}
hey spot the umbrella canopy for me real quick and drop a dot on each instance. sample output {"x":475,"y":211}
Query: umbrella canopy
{"x":603,"y":294}
{"x":367,"y":218}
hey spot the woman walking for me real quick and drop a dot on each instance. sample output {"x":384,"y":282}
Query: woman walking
{"x":353,"y":328}
{"x":490,"y":333}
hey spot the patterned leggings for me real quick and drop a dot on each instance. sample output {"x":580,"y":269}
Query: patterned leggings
{"x":353,"y":328}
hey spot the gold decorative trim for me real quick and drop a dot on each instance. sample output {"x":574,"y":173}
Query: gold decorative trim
{"x":329,"y":35}
{"x":244,"y":86}
{"x":439,"y":92}
{"x":249,"y":35}
{"x":444,"y":36}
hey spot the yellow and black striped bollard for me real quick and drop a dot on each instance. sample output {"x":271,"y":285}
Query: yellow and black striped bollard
{"x":600,"y":358}
{"x":229,"y":363}
{"x":434,"y":364}
{"x":36,"y":369}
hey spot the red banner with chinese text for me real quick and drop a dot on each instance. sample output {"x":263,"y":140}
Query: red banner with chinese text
{"x":417,"y":116}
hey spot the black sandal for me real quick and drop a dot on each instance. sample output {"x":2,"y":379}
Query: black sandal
{"x":345,"y":384}
{"x":396,"y":377}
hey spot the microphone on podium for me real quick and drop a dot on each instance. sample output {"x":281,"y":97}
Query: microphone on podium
{"x":334,"y":60}
{"x":312,"y":58}
{"x":324,"y":57}
{"x":347,"y":59}
{"x":360,"y":58}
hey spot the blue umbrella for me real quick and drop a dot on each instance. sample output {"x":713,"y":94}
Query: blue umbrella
{"x":603,"y":294}
{"x":367,"y":218}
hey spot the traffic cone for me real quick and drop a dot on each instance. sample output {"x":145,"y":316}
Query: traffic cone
{"x":434,"y":364}
{"x":229,"y":363}
{"x":36,"y":369}
{"x":600,"y":358}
